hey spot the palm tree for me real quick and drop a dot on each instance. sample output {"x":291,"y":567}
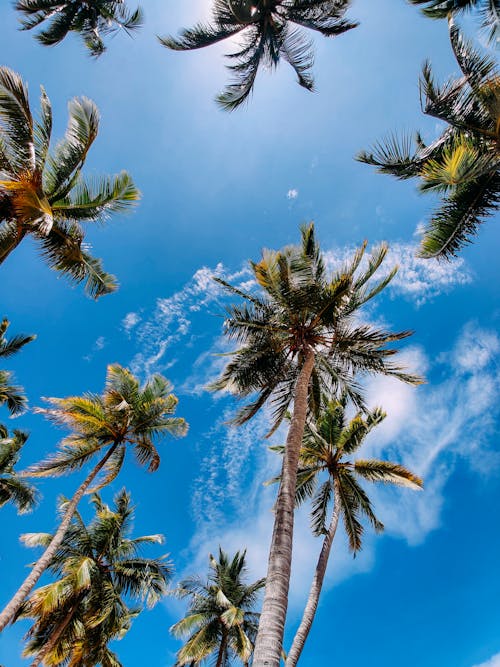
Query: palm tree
{"x":300,"y":337}
{"x":463,"y":163}
{"x":269,"y":33}
{"x":125,"y":416}
{"x":44,"y":195}
{"x":12,"y":487}
{"x":328,"y":443}
{"x":489,"y":11}
{"x":10,"y":394}
{"x":92,"y":20}
{"x":98,"y":570}
{"x":220,"y":621}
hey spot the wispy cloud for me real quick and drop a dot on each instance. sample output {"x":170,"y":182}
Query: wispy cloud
{"x":418,"y":280}
{"x":98,"y":345}
{"x":130,"y":321}
{"x":172,"y":317}
{"x":292,"y":193}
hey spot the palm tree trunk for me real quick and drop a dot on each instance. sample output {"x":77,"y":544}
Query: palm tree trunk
{"x":44,"y":561}
{"x":269,"y":640}
{"x":312,"y":602}
{"x":222,"y":649}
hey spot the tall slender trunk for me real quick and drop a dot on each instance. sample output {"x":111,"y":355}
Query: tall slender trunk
{"x":222,"y":649}
{"x":42,"y":563}
{"x":269,"y":640}
{"x":312,"y":601}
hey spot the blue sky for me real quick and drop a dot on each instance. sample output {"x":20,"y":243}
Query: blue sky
{"x":217,"y":188}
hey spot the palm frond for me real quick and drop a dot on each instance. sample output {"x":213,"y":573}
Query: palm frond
{"x":385,"y":471}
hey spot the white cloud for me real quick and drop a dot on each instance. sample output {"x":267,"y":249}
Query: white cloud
{"x":494,"y":661}
{"x":475,"y":349}
{"x":292,"y":193}
{"x":130,"y":321}
{"x":417,"y":279}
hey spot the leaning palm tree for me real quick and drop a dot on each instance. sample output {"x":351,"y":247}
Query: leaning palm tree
{"x":13,"y":488}
{"x":11,"y":395}
{"x":271,"y":30}
{"x":43,"y":194}
{"x":125,"y":416}
{"x":220,"y":621}
{"x":463,"y":163}
{"x":489,"y":12}
{"x":301,"y":336}
{"x":92,"y":20}
{"x":99,"y":570}
{"x":328,"y":444}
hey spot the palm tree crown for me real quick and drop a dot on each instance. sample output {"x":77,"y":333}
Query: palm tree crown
{"x":220,"y":620}
{"x":301,"y":310}
{"x":463,"y":163}
{"x":92,"y":20}
{"x":43,"y":193}
{"x":271,"y":30}
{"x":489,"y":11}
{"x":12,"y":487}
{"x":98,"y":570}
{"x":126,"y":414}
{"x":328,"y":444}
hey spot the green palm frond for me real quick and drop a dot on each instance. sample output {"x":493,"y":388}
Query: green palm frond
{"x":269,"y":32}
{"x":92,"y":201}
{"x":12,"y":487}
{"x":92,"y":21}
{"x":455,"y":223}
{"x":10,"y":346}
{"x":384,"y":471}
{"x":462,"y":164}
{"x":319,"y":508}
{"x":488,"y":11}
{"x":16,"y":122}
{"x":11,"y":395}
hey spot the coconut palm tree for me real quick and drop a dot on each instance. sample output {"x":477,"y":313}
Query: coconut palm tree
{"x":92,"y":20}
{"x":220,"y":621}
{"x":43,"y":194}
{"x":327,"y":447}
{"x":99,"y":571}
{"x":301,"y":336}
{"x":10,"y":394}
{"x":489,"y":11}
{"x":126,"y":416}
{"x":12,"y":487}
{"x":463,"y":163}
{"x":271,"y":30}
